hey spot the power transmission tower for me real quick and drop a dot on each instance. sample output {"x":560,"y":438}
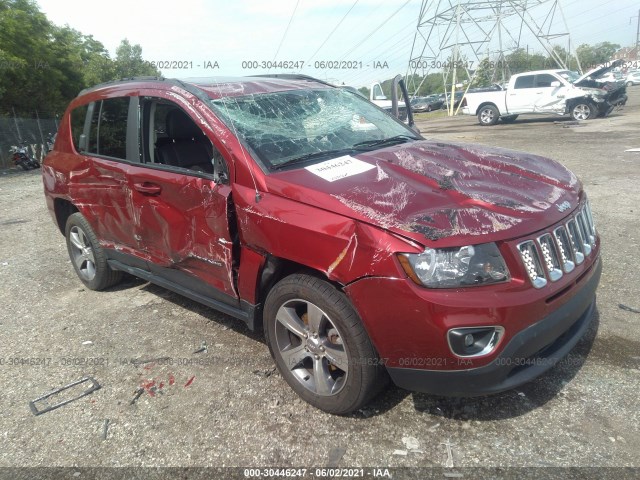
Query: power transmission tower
{"x":455,"y":36}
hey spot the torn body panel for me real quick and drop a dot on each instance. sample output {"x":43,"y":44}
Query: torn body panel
{"x":341,"y":247}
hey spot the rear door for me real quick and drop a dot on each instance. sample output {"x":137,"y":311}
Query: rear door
{"x":182,"y":213}
{"x":107,"y":146}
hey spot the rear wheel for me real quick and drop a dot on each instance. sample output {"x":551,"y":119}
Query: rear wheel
{"x":583,"y":111}
{"x":87,"y":257}
{"x":320,"y":346}
{"x":488,"y":115}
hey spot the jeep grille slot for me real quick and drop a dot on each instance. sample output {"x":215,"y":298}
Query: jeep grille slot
{"x":533,"y":265}
{"x":550,"y":255}
{"x":576,"y":241}
{"x":586,"y":213}
{"x":564,"y":247}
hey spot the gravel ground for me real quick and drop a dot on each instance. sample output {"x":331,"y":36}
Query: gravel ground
{"x":226,"y":407}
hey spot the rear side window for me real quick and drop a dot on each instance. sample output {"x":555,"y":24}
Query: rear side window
{"x":78,"y":116}
{"x":545,"y":80}
{"x":524,"y":82}
{"x":108,"y":132}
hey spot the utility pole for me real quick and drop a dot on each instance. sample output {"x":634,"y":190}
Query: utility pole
{"x":638,"y":36}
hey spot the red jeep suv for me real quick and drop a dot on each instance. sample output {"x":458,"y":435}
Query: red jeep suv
{"x":363,"y":251}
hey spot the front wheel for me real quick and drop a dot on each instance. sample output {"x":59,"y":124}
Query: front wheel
{"x":488,"y":115}
{"x":87,"y":256}
{"x":583,"y":111}
{"x":320,"y":346}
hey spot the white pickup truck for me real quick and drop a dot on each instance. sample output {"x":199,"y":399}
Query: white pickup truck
{"x":559,"y":92}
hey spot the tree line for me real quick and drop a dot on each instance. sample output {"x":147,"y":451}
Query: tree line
{"x":43,"y":66}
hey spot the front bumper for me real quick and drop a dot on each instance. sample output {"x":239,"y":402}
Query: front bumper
{"x":528,"y":354}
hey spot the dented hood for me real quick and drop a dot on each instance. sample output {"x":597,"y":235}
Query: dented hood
{"x":441,"y":194}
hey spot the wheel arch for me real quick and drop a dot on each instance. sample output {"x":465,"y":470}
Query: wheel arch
{"x":277,"y":268}
{"x":63,"y":209}
{"x":484,"y":104}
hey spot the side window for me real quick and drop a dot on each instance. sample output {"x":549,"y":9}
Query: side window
{"x":544,"y":80}
{"x":172,"y":138}
{"x":525,"y":81}
{"x":108,"y":131}
{"x":78,"y":117}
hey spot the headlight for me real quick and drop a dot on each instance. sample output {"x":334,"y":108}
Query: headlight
{"x":456,"y":267}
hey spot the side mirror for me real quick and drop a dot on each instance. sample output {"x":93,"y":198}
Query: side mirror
{"x":555,"y":84}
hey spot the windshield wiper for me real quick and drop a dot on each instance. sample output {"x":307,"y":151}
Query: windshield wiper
{"x":313,"y":156}
{"x":383,"y":142}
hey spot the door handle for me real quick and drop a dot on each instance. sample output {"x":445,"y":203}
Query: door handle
{"x":148,"y":188}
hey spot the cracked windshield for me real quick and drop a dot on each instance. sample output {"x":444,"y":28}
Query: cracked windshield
{"x":300,"y":125}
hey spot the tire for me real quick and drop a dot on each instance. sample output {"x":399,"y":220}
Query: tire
{"x":87,"y":256}
{"x":488,"y":115}
{"x":583,"y":110}
{"x":629,"y":84}
{"x":509,"y":118}
{"x":25,"y":166}
{"x":310,"y":327}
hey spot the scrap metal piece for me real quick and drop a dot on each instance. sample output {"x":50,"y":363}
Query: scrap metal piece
{"x":622,"y":306}
{"x":94,"y":385}
{"x":138,"y":394}
{"x":105,"y":429}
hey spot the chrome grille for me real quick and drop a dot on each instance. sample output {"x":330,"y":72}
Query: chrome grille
{"x":556,"y":253}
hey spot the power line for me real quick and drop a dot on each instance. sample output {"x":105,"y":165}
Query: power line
{"x":333,"y":31}
{"x":375,"y":29}
{"x":286,"y":30}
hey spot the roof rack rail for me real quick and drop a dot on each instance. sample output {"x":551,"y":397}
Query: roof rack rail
{"x":294,"y":76}
{"x":125,"y":80}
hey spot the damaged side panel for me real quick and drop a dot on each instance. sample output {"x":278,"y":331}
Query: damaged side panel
{"x":343,"y":248}
{"x":186,"y":228}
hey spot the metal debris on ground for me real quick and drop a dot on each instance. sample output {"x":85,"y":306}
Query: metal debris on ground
{"x":105,"y":429}
{"x":412,"y":445}
{"x":265,"y":373}
{"x":633,"y":150}
{"x":93,"y":385}
{"x":628,"y":309}
{"x":137,"y":395}
{"x":203,"y":348}
{"x":449,"y":462}
{"x":400,"y":452}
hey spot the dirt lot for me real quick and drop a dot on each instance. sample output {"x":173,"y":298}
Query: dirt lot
{"x":227,"y":407}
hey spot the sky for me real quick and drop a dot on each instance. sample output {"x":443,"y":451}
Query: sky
{"x":359,"y":41}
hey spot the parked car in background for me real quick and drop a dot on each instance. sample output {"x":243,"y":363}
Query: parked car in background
{"x":426,"y":104}
{"x":362,"y":251}
{"x":633,"y":78}
{"x":556,"y":92}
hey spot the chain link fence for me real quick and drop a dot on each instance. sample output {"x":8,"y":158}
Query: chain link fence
{"x":33,"y":131}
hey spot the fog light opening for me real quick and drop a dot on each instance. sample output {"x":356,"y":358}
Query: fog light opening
{"x":474,"y":341}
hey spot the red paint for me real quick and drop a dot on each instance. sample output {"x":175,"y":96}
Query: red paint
{"x":172,"y":379}
{"x":190,"y":381}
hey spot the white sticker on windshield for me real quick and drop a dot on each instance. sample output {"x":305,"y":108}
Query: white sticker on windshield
{"x":341,"y":167}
